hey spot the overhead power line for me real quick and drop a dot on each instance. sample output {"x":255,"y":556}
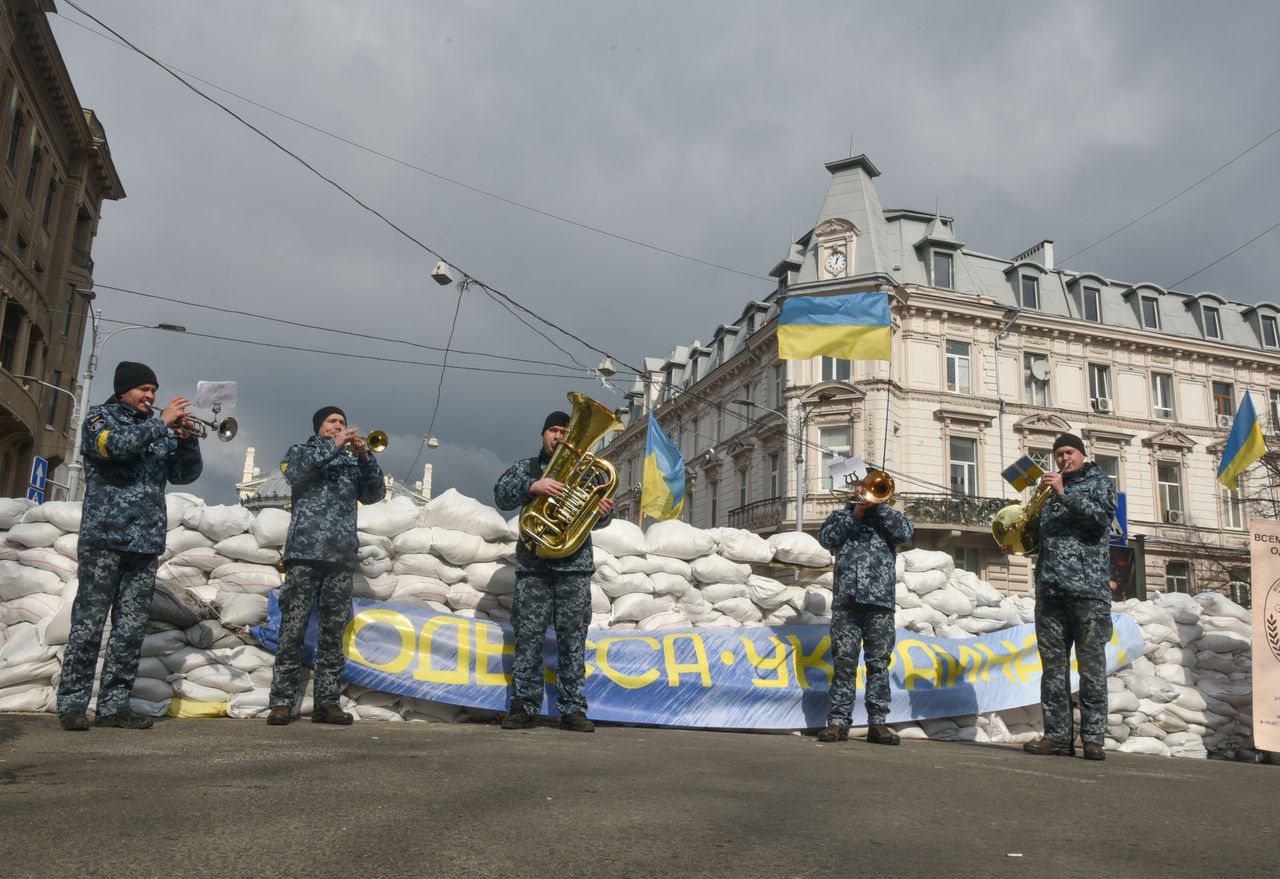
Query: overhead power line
{"x":1224,"y":256}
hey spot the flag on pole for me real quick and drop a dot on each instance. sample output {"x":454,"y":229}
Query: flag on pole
{"x":662,"y":494}
{"x":853,"y":326}
{"x":1244,"y":446}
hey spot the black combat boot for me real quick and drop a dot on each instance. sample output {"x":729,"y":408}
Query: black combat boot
{"x":331,"y":714}
{"x":834,"y":733}
{"x":519,"y":718}
{"x":125,"y":719}
{"x":280,"y":715}
{"x":74,"y":721}
{"x":577,"y":722}
{"x":880,"y":734}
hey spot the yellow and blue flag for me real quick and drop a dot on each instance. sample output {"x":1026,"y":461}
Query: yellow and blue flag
{"x":852,"y":326}
{"x":1244,"y":446}
{"x":662,"y":494}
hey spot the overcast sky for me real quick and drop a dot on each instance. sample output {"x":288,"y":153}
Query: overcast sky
{"x":699,"y":128}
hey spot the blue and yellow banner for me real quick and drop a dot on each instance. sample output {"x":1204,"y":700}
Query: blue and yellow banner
{"x":662,"y":487}
{"x":852,"y":326}
{"x":1244,"y":445}
{"x":750,"y":678}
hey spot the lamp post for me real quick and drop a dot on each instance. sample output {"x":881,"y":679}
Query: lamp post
{"x":799,"y":440}
{"x":74,"y":402}
{"x":76,"y":466}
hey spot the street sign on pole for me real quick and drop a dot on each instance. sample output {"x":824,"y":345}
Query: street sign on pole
{"x":1120,"y":524}
{"x":39,"y":472}
{"x":35,"y":494}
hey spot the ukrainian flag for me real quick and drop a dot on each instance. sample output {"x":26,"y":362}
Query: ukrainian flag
{"x":1244,"y":446}
{"x":854,"y":326}
{"x":662,"y":495}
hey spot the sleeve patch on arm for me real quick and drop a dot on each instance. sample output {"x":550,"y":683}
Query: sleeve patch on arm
{"x":102,"y":443}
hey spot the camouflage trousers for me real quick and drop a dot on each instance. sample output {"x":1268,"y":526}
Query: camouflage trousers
{"x":561,"y":600}
{"x":328,"y":586}
{"x":1086,"y":624}
{"x":866,"y":629}
{"x":121,"y":584}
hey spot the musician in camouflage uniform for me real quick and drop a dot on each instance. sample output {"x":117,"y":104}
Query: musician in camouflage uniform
{"x":328,"y":473}
{"x":864,"y":538}
{"x":1073,"y":601}
{"x":549,"y":592}
{"x":129,"y":455}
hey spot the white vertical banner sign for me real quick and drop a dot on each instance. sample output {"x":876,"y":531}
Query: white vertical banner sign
{"x":1265,"y":590}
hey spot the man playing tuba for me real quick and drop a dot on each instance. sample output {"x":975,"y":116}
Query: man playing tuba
{"x":549,"y":591}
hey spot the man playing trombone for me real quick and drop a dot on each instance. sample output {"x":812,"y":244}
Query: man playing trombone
{"x":129,"y":456}
{"x":863,"y":536}
{"x":328,"y":473}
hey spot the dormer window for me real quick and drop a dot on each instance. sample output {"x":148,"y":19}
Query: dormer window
{"x":1030,"y":292}
{"x":1091,"y":304}
{"x":942,"y":265}
{"x":1270,"y":335}
{"x":1150,"y":313}
{"x":1212,"y":322}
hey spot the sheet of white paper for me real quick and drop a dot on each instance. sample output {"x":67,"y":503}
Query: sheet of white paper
{"x":846,"y":471}
{"x":208,"y":393}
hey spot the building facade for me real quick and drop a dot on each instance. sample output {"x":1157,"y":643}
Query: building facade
{"x":55,"y":172}
{"x":992,"y":358}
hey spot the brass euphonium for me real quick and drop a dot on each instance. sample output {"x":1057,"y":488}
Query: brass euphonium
{"x":554,"y":527}
{"x":1018,"y":525}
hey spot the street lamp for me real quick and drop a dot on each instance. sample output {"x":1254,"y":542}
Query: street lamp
{"x":74,"y":402}
{"x":799,"y":440}
{"x":75,"y":466}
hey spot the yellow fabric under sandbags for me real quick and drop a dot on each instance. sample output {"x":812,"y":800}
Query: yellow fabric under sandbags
{"x":180,"y":707}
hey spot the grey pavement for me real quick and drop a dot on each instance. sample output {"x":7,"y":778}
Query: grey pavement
{"x":232,"y":798}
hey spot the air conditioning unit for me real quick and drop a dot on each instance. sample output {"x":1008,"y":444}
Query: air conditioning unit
{"x":1173,"y":517}
{"x":1224,"y":421}
{"x":1104,"y":405}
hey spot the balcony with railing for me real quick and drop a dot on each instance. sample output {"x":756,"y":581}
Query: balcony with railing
{"x":82,"y":259}
{"x":955,"y":511}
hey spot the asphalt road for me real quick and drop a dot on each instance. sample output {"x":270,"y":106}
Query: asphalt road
{"x":232,"y":798}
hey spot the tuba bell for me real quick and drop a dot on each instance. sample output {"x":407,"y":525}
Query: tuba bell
{"x":1018,"y":525}
{"x":555,"y":527}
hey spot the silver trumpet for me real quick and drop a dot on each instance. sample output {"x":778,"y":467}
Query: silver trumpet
{"x":225,"y":430}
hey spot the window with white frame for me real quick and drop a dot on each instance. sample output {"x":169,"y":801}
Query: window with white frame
{"x":1169,"y":481}
{"x":1224,"y":398}
{"x":964,"y":464}
{"x":779,"y":384}
{"x":713,"y":489}
{"x":836,"y":443}
{"x":1270,"y":335}
{"x":958,"y":366}
{"x":942,"y":263}
{"x":1162,"y":394}
{"x":775,"y":474}
{"x":719,"y":423}
{"x":1029,"y":291}
{"x":836,"y":370}
{"x":697,"y":435}
{"x":1091,"y":303}
{"x":1150,"y":313}
{"x":968,"y":558}
{"x":1232,"y":508}
{"x":1099,"y":384}
{"x":742,"y":488}
{"x":1273,"y":400}
{"x":1177,"y":577}
{"x":1035,"y":378}
{"x":1212,"y":322}
{"x":1043,"y":457}
{"x":1110,"y":465}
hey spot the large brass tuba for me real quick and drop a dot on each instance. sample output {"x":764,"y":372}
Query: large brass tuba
{"x":554,"y":527}
{"x":1018,"y":525}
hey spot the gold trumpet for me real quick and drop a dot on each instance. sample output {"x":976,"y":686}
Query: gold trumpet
{"x":374,"y":441}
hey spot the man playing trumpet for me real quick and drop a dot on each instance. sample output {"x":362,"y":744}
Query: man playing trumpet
{"x":129,"y":456}
{"x":328,"y":473}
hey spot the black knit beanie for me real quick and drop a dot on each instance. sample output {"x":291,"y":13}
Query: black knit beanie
{"x":130,"y":375}
{"x":1069,"y":440}
{"x":321,"y":414}
{"x":555,"y":419}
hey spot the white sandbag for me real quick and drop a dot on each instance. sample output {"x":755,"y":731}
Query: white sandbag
{"x":49,"y":559}
{"x":388,"y":518}
{"x":1223,"y":642}
{"x":54,"y":630}
{"x":924,"y":582}
{"x":22,"y":645}
{"x":380,"y":588}
{"x":495,"y":578}
{"x":952,"y":631}
{"x":1157,"y":634}
{"x":1209,"y":660}
{"x":817,"y":601}
{"x":414,"y":585}
{"x":28,"y":609}
{"x":239,"y":609}
{"x":68,"y":545}
{"x":655,"y":564}
{"x":1175,"y":674}
{"x":1124,"y":701}
{"x":1147,"y":612}
{"x":187,"y":658}
{"x":1239,"y":695}
{"x":633,"y":607}
{"x":766,"y":593}
{"x":678,"y":540}
{"x":665,"y":619}
{"x":33,"y":534}
{"x":1218,"y":605}
{"x":620,"y":538}
{"x":364,"y":538}
{"x":949,"y":600}
{"x":151,"y":690}
{"x":798,"y":548}
{"x":600,"y":603}
{"x":738,"y":545}
{"x":904,"y":597}
{"x":782,"y":616}
{"x":601,"y":558}
{"x":221,"y":677}
{"x":462,"y":549}
{"x":910,"y":732}
{"x":670,"y":584}
{"x":196,"y":692}
{"x":17,"y":580}
{"x":717,"y":592}
{"x":740,"y":609}
{"x":65,"y":515}
{"x":1169,"y":721}
{"x":928,"y":560}
{"x":976,"y":626}
{"x":270,"y":527}
{"x":716,"y":569}
{"x":616,"y":585}
{"x":35,"y":700}
{"x":206,"y":558}
{"x":696,"y":607}
{"x":1208,"y":623}
{"x":982,"y":593}
{"x":164,"y":642}
{"x":181,"y":539}
{"x":1006,"y":613}
{"x":12,"y":509}
{"x":455,"y":511}
{"x":1177,"y":655}
{"x":176,"y":505}
{"x":245,"y":548}
{"x":245,"y":577}
{"x":1185,"y":609}
{"x":1189,"y":633}
{"x":425,"y":564}
{"x":218,"y":522}
{"x":374,"y":567}
{"x":28,"y":674}
{"x":464,"y":597}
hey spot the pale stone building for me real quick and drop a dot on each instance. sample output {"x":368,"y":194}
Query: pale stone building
{"x":992,"y":359}
{"x":55,"y":173}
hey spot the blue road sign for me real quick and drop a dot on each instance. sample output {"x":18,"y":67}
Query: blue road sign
{"x":35,"y":494}
{"x":1120,"y":524}
{"x":39,"y":472}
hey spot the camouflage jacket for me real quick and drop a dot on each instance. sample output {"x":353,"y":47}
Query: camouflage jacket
{"x":128,"y":458}
{"x":1075,"y":559}
{"x":327,"y":482}
{"x":864,"y":550}
{"x":512,"y":491}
